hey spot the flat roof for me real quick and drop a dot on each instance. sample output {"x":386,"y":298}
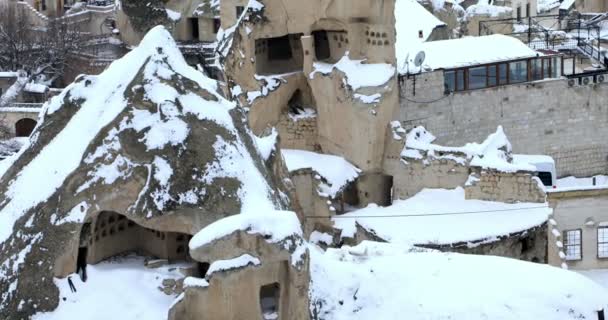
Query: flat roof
{"x":471,"y":51}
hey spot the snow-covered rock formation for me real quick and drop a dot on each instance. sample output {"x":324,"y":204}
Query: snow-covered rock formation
{"x":151,"y":140}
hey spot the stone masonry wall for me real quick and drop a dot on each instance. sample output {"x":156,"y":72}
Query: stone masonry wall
{"x":505,"y":187}
{"x":437,"y":173}
{"x":543,"y":117}
{"x":298,"y":134}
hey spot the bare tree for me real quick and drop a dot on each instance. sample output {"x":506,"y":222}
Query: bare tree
{"x":35,"y":46}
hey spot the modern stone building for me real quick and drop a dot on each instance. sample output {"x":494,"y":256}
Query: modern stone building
{"x":580,"y":222}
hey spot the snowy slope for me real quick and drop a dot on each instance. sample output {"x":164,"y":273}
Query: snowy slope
{"x":379,"y":281}
{"x":120,"y":289}
{"x":428,"y":225}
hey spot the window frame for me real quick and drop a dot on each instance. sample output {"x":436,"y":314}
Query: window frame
{"x":604,"y":242}
{"x":580,"y":244}
{"x":503,"y":77}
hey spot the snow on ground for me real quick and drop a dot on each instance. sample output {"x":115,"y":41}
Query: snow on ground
{"x":410,"y":18}
{"x":120,"y":289}
{"x":574,"y":183}
{"x":432,"y":221}
{"x":378,"y":281}
{"x":600,"y":276}
{"x":358,"y":74}
{"x":337,"y":171}
{"x":492,"y":153}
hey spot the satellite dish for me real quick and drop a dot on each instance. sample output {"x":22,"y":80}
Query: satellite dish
{"x":419,"y":58}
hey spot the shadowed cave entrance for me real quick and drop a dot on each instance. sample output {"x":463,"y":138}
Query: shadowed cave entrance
{"x":111,"y":234}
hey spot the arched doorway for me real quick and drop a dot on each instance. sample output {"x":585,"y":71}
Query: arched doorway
{"x":24,"y":127}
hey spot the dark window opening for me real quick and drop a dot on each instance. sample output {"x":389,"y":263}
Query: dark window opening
{"x":239,"y":11}
{"x":24,"y":127}
{"x":269,"y":301}
{"x":279,"y":48}
{"x":194,"y":26}
{"x":322,"y":50}
{"x":546,"y":178}
{"x":43,"y":3}
{"x":518,"y":13}
{"x":217,"y":23}
{"x":295,"y":103}
{"x":202,"y":268}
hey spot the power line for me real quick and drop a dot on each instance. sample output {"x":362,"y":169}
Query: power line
{"x":427,"y":214}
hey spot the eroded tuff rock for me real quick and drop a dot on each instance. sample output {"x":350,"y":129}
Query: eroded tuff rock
{"x":150,"y":139}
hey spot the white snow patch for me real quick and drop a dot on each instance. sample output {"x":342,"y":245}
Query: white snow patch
{"x":490,"y":154}
{"x":380,"y":282}
{"x":231,"y":264}
{"x":358,"y":74}
{"x":273,"y":225}
{"x":337,"y":171}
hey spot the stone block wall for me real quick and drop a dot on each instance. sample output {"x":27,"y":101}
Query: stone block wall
{"x":505,"y":187}
{"x":432,"y":173}
{"x":543,"y":117}
{"x":298,"y":133}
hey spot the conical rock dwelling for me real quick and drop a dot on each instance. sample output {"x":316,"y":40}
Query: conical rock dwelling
{"x":148,"y":144}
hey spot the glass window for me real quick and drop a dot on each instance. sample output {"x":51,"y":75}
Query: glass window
{"x":492,"y":76}
{"x":477,"y":77}
{"x":572,"y":244}
{"x":502,"y":73}
{"x":546,"y":68}
{"x":536,"y":68}
{"x":518,"y":72}
{"x":556,"y":67}
{"x":546,"y":178}
{"x":459,"y":80}
{"x":449,"y":81}
{"x":602,"y":242}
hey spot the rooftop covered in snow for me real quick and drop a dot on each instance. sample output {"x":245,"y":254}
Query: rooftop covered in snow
{"x":443,"y":217}
{"x":470,"y":51}
{"x":414,"y":25}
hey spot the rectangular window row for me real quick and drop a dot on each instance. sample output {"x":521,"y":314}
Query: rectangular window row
{"x":504,"y":73}
{"x":573,"y":243}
